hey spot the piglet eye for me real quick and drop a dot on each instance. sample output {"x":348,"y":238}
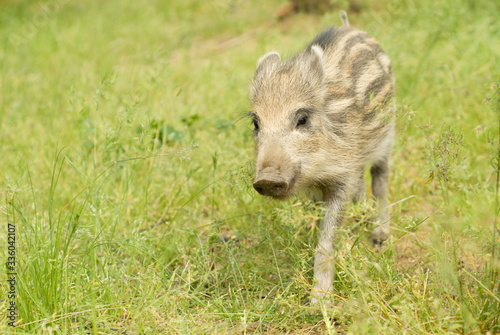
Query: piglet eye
{"x":255,"y":124}
{"x":302,"y":121}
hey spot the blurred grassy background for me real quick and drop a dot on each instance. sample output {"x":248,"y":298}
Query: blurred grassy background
{"x":127,"y":170}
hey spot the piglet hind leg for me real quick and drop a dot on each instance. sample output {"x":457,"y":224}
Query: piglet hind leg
{"x":380,"y":185}
{"x":324,"y":265}
{"x":360,"y":188}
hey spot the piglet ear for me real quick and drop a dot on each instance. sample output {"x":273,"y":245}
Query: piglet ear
{"x":317,"y":51}
{"x":266,"y":64}
{"x":316,"y":61}
{"x":265,"y":67}
{"x":270,"y":59}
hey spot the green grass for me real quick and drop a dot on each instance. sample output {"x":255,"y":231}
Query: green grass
{"x":127,"y":172}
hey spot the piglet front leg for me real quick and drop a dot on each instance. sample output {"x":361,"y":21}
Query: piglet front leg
{"x":324,"y":266}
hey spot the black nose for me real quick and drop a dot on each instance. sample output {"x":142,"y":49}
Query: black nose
{"x":272,"y":188}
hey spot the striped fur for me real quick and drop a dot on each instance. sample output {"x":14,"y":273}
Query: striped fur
{"x":321,"y":117}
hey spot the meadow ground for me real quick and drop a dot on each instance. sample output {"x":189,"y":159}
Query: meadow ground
{"x":126,"y":173}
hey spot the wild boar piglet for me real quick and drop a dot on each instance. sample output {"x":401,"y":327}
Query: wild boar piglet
{"x":320,"y":118}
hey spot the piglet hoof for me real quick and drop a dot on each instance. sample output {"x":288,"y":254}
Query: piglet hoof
{"x":379,"y":236}
{"x":320,"y":299}
{"x":377,"y":244}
